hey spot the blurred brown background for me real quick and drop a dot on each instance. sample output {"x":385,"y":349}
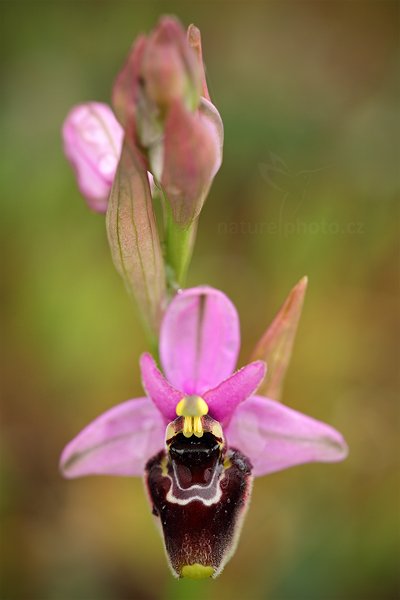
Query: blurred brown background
{"x":309,"y":185}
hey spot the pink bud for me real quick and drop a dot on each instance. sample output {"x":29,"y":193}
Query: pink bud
{"x":169,"y":69}
{"x":159,"y":69}
{"x":192,"y":156}
{"x":92,"y":143}
{"x":157,"y":96}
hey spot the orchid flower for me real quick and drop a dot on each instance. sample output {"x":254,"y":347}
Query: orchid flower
{"x":200,"y":434}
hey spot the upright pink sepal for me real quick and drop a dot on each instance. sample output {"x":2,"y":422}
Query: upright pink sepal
{"x":275,"y":437}
{"x":224,"y":399}
{"x":275,"y":346}
{"x":118,"y":442}
{"x":199,"y":339}
{"x":92,"y":140}
{"x":164,"y":396}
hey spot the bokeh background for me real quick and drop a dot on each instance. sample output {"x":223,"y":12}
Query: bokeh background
{"x":309,"y":185}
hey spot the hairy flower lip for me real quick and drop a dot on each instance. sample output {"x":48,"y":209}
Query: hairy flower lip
{"x":200,"y":523}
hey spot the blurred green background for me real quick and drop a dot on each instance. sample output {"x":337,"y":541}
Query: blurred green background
{"x":309,"y":185}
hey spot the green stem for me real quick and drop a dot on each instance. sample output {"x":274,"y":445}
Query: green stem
{"x":179,"y":242}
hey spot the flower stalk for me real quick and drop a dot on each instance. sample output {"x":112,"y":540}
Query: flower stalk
{"x":179,"y":244}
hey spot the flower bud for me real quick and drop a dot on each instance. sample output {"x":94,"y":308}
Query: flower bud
{"x":169,"y":68}
{"x":159,"y":69}
{"x":92,"y":143}
{"x":158,"y":96}
{"x":192,"y":156}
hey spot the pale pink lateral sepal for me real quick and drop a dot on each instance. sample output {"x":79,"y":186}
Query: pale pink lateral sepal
{"x":275,"y":346}
{"x":275,"y":437}
{"x":118,"y":442}
{"x":164,"y":396}
{"x":92,"y":139}
{"x":199,"y":339}
{"x":224,"y":399}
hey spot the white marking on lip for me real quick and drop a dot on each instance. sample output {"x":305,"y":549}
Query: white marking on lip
{"x":208,"y":495}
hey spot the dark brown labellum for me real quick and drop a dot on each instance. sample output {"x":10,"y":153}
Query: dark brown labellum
{"x":199,"y":493}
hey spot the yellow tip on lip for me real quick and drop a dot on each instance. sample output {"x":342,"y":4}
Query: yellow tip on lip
{"x":197,"y":571}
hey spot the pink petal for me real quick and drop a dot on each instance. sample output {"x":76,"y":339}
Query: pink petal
{"x":224,"y":399}
{"x":118,"y":442}
{"x":275,"y":437}
{"x":275,"y":346}
{"x":164,"y":396}
{"x":92,"y":143}
{"x":199,"y":339}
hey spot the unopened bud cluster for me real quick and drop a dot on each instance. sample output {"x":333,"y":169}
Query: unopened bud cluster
{"x":162,"y":138}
